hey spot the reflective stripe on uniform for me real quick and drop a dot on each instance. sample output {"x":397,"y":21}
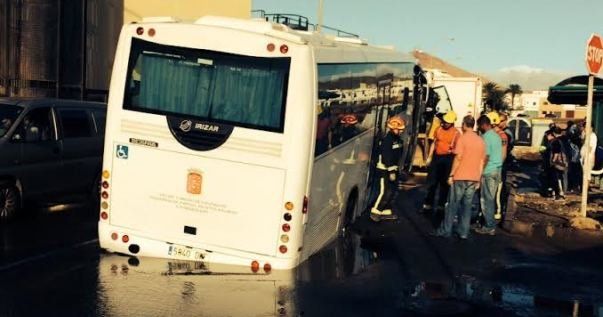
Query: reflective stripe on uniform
{"x":381,"y":191}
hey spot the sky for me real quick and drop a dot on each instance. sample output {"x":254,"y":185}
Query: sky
{"x":535,"y":43}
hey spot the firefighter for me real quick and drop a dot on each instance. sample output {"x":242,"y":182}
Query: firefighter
{"x":390,"y":152}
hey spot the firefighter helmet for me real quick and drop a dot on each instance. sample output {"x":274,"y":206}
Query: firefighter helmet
{"x":349,"y":119}
{"x":396,"y":122}
{"x":449,"y":117}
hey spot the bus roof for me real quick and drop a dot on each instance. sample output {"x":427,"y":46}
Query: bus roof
{"x":327,"y":48}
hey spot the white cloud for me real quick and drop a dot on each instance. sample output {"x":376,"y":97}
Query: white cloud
{"x":528,"y":77}
{"x":522,"y":69}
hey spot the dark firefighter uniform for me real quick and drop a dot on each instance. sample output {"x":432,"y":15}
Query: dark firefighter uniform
{"x":390,"y":152}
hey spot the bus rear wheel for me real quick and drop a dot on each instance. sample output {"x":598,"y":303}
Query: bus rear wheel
{"x":9,"y":202}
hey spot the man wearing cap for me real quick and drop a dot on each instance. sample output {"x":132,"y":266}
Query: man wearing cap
{"x":490,"y":176}
{"x":439,"y":162}
{"x":390,"y":152}
{"x":495,"y":120}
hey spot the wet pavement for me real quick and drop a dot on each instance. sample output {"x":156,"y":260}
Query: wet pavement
{"x":51,"y":266}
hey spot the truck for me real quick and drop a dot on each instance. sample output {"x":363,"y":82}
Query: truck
{"x":465,"y":94}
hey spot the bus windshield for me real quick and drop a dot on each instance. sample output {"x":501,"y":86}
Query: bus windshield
{"x":8,"y":115}
{"x":233,"y":89}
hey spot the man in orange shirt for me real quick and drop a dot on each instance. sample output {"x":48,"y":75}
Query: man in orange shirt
{"x":439,"y":162}
{"x":464,"y":178}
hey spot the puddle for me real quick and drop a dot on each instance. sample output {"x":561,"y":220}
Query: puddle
{"x":469,"y":297}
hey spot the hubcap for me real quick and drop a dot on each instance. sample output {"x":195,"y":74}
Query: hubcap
{"x":7,"y":202}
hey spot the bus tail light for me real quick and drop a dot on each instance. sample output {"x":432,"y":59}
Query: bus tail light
{"x":105,"y":184}
{"x":114,"y":236}
{"x":305,"y":205}
{"x":284,"y":238}
{"x":125,"y":238}
{"x":289,"y":205}
{"x":267,"y":267}
{"x":105,"y":195}
{"x":106,"y":174}
{"x":151,"y":32}
{"x":104,"y":215}
{"x":284,"y":49}
{"x":255,"y":266}
{"x":283,"y":249}
{"x":270,"y":47}
{"x":140,"y":30}
{"x":286,"y":227}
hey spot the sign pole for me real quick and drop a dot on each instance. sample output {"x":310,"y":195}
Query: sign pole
{"x":588,"y":130}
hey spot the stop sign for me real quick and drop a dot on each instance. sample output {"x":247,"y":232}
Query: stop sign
{"x":594,"y":54}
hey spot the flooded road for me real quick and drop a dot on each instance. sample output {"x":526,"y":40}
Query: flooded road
{"x":386,"y":269}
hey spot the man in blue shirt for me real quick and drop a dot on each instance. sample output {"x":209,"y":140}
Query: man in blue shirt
{"x":491,"y":175}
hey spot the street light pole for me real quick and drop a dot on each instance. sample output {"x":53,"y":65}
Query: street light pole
{"x":320,"y":15}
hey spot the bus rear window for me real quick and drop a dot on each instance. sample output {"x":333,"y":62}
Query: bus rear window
{"x":217,"y":87}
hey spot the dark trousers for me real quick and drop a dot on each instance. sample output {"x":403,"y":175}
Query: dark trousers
{"x":555,"y":179}
{"x":437,"y":177}
{"x":503,"y":195}
{"x":574,"y":176}
{"x":386,"y":191}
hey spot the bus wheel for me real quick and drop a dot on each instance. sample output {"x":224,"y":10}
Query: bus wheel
{"x":348,"y":216}
{"x":9,"y":201}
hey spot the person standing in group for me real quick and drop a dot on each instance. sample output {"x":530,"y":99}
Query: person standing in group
{"x":439,"y":162}
{"x":495,"y":119}
{"x":390,"y":152}
{"x":558,"y":163}
{"x":490,"y":176}
{"x":589,"y":150}
{"x":464,"y":178}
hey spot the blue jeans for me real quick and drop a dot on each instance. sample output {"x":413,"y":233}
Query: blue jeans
{"x":460,"y":198}
{"x":489,"y":187}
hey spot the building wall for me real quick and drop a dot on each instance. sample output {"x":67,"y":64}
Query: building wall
{"x":185,"y":10}
{"x":63,"y":49}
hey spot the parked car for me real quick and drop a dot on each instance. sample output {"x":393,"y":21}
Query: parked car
{"x":48,"y":148}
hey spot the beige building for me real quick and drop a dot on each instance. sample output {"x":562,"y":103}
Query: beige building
{"x":185,"y":10}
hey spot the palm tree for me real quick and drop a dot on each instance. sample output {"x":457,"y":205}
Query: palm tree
{"x":494,"y":97}
{"x":514,"y":90}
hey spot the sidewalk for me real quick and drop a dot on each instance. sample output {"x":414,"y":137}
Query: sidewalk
{"x":529,"y":213}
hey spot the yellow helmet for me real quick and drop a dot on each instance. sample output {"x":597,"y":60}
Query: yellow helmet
{"x":449,"y":117}
{"x":396,"y":122}
{"x":494,"y":117}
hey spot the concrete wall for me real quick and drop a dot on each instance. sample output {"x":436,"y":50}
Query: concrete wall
{"x":185,"y":10}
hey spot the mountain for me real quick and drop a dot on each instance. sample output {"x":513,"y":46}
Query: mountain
{"x":429,"y":61}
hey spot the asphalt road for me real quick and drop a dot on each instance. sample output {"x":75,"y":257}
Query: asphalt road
{"x":51,"y":265}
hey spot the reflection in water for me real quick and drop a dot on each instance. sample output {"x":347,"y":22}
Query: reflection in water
{"x":159,"y":287}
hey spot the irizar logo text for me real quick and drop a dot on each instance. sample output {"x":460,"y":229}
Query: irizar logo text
{"x":207,"y":127}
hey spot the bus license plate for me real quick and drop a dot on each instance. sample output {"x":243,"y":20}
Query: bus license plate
{"x":182,"y":252}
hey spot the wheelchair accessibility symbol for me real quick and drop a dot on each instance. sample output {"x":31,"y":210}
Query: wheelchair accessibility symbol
{"x":122,"y":152}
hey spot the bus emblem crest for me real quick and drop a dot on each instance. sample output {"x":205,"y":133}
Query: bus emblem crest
{"x":194,"y":182}
{"x":186,"y":125}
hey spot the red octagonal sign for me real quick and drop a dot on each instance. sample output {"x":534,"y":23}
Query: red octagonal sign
{"x":594,"y":54}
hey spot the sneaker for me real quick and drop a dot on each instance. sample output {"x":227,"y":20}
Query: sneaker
{"x":438,"y":234}
{"x":498,"y":216}
{"x":484,"y":230}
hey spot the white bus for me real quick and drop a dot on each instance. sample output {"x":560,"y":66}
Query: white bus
{"x":222,"y":147}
